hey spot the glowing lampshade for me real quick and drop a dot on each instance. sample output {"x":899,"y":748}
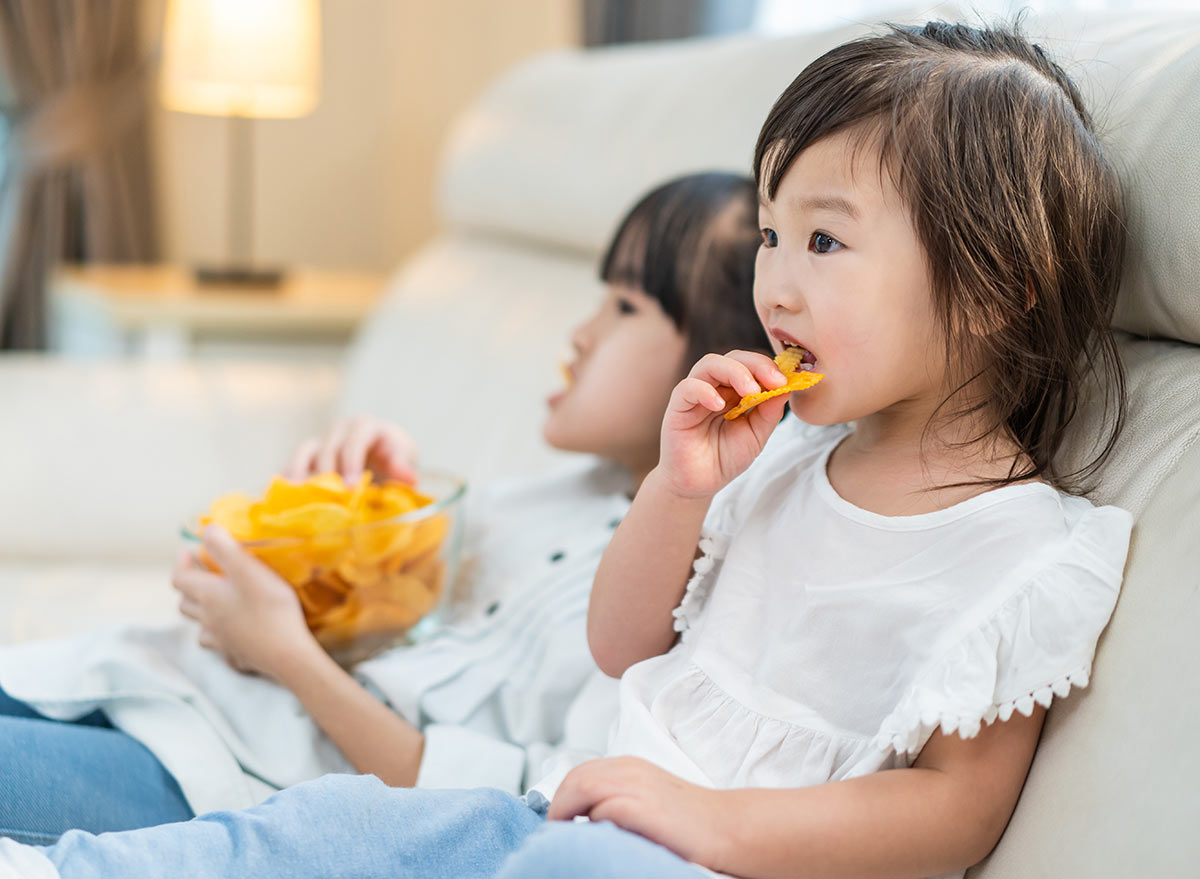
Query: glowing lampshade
{"x":256,"y":58}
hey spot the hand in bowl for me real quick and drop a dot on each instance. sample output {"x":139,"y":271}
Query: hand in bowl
{"x":246,"y":611}
{"x":353,"y":445}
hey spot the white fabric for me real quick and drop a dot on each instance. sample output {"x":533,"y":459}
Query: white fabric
{"x":506,"y":678}
{"x":19,"y":861}
{"x":833,"y":641}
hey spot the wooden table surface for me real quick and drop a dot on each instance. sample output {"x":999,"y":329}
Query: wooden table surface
{"x":137,"y":296}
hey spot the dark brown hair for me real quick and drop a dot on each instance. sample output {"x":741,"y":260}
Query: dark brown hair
{"x":1020,"y":215}
{"x":691,"y":245}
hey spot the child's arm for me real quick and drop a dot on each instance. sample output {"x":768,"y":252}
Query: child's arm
{"x":940,"y":816}
{"x":645,"y":568}
{"x":642,"y":576}
{"x":254,"y":619}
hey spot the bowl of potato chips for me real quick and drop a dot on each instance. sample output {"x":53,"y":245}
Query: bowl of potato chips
{"x":370,"y":561}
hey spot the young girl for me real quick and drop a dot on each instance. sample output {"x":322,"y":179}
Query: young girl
{"x":482,"y":702}
{"x":891,"y":584}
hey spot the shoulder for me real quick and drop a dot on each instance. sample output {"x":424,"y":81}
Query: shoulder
{"x":1033,"y":527}
{"x":1034,"y":636}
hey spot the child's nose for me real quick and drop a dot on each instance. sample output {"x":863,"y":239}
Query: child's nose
{"x":775,"y":289}
{"x":580,"y":337}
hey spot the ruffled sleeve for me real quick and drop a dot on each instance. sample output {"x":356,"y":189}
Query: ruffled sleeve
{"x":1037,"y":644}
{"x":711,"y":550}
{"x":715,"y":535}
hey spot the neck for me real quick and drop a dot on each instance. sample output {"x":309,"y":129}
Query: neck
{"x":896,"y":462}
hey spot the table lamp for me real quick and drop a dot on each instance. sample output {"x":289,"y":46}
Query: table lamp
{"x":244,"y":59}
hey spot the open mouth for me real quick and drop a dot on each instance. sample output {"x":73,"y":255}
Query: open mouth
{"x":808,"y":360}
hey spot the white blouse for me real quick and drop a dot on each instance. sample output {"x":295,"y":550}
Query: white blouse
{"x":491,"y":689}
{"x":821,"y":641}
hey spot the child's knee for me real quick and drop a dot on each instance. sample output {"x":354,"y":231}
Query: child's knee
{"x":332,"y":794}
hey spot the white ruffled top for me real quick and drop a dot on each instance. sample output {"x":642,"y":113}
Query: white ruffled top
{"x":821,"y":641}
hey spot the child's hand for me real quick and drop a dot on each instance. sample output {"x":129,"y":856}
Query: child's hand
{"x":248,"y":613}
{"x":640,"y":797}
{"x":355,"y":444}
{"x":701,"y":451}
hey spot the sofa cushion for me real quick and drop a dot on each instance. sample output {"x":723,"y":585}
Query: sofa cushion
{"x":1112,"y":792}
{"x":559,"y":148}
{"x":464,"y":348}
{"x":556,"y":150}
{"x":105,"y":460}
{"x":1162,"y":424}
{"x":1141,"y":74}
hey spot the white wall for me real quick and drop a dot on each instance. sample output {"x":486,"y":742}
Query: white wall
{"x":351,"y":186}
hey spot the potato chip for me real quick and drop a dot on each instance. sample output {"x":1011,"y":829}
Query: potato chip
{"x":318,"y":596}
{"x":788,"y":360}
{"x":361,"y":576}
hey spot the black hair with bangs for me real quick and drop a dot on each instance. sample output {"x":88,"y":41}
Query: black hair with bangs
{"x":690,"y":244}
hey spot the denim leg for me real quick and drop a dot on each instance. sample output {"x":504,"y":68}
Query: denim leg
{"x":351,"y":826}
{"x":593,"y":850}
{"x":58,"y":776}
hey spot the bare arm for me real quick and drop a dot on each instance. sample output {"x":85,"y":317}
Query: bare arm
{"x":643,"y":573}
{"x":642,"y":576}
{"x":375,"y":739}
{"x":942,"y":815}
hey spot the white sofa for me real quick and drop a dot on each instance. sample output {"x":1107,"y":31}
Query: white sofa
{"x":100,"y":462}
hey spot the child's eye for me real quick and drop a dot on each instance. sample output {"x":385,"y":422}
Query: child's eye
{"x":624,"y":306}
{"x":822,"y":243}
{"x":769,"y":237}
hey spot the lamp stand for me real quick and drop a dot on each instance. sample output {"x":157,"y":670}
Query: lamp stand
{"x":240,"y":270}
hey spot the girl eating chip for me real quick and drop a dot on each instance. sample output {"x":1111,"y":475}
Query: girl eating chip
{"x":838,"y":631}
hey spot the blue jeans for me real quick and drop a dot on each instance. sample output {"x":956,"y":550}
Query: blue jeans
{"x":55,"y":776}
{"x":356,"y":826}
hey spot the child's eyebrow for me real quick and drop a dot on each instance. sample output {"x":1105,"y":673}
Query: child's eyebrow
{"x":834,"y":203}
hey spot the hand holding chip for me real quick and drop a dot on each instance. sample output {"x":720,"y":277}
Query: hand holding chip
{"x":353,"y":445}
{"x":246,"y":611}
{"x":702,"y":451}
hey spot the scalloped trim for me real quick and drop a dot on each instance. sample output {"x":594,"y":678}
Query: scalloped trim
{"x":712,"y":547}
{"x":915,"y":732}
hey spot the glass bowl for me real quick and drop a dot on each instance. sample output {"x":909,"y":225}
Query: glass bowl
{"x":373,"y":585}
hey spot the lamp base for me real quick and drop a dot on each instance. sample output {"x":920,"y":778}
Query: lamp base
{"x":238,"y":276}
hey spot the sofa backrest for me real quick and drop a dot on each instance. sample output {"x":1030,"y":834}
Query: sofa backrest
{"x":546,"y":161}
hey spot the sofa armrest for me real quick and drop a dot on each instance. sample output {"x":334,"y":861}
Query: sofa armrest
{"x":105,"y":460}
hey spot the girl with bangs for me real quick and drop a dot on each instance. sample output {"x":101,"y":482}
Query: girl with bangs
{"x":161,"y":728}
{"x":838,"y":629}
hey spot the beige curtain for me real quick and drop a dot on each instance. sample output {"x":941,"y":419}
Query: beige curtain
{"x":77,"y":179}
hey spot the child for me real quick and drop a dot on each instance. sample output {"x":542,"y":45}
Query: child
{"x":891,"y":590}
{"x":480,"y":703}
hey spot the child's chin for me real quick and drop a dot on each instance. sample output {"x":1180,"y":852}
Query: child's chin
{"x":556,"y":434}
{"x":808,"y":412}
